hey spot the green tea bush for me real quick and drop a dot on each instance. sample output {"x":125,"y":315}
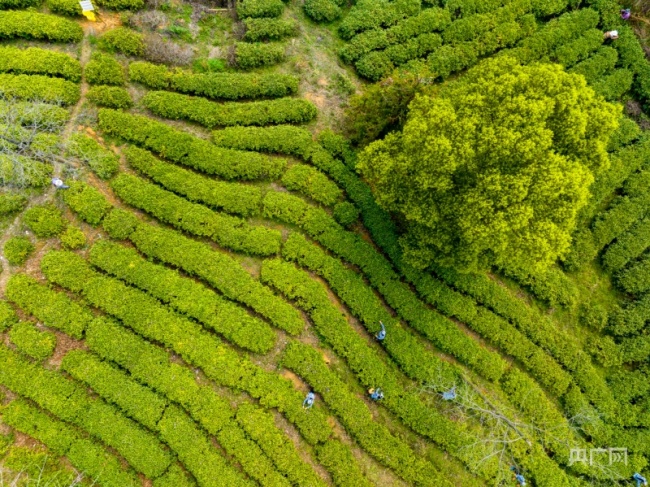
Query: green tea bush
{"x":551,"y":286}
{"x":73,"y":238}
{"x":39,"y":61}
{"x":269,"y":29}
{"x":185,"y":295}
{"x":594,"y":67}
{"x":312,"y":183}
{"x":33,"y":342}
{"x":8,"y":316}
{"x":110,"y":97}
{"x":260,"y":8}
{"x":122,"y":4}
{"x":37,"y":26}
{"x":45,"y":220}
{"x":11,"y":203}
{"x":630,"y":319}
{"x":636,"y":278}
{"x":628,"y":246}
{"x":17,"y":250}
{"x":283,"y":139}
{"x":337,"y":458}
{"x":188,"y":150}
{"x":54,"y":310}
{"x":120,"y":224}
{"x":50,"y":118}
{"x":103,"y":69}
{"x":228,"y":231}
{"x":229,"y":86}
{"x":578,"y":50}
{"x":627,"y":133}
{"x":42,"y":88}
{"x":322,"y":10}
{"x":82,"y":453}
{"x":612,"y":87}
{"x":372,"y":14}
{"x":123,"y":40}
{"x":18,"y":4}
{"x":69,"y":8}
{"x":175,"y":476}
{"x":250,"y":55}
{"x":87,"y":202}
{"x":211,"y":114}
{"x":345,"y":213}
{"x":68,"y":401}
{"x":241,"y":199}
{"x":101,"y":161}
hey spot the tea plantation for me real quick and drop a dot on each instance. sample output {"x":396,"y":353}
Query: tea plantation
{"x":189,"y":248}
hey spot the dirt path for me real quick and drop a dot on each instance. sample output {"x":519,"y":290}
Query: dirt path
{"x":57,"y":171}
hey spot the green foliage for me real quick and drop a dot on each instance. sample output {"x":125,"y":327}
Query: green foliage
{"x":54,"y":310}
{"x":103,"y":69}
{"x":229,"y":86}
{"x":68,"y":401}
{"x":628,"y":246}
{"x":322,"y":10}
{"x":269,"y":29}
{"x":241,"y":199}
{"x":228,"y":231}
{"x":87,"y":202}
{"x":250,"y":55}
{"x":550,"y":285}
{"x":32,"y":341}
{"x":338,"y":460}
{"x":188,"y":150}
{"x":259,"y":8}
{"x":122,"y":4}
{"x":345,"y":213}
{"x":39,"y":61}
{"x":101,"y":161}
{"x":212,"y":65}
{"x":531,"y":215}
{"x":594,"y":316}
{"x":18,"y":4}
{"x":17,"y":250}
{"x":109,"y":96}
{"x":37,"y":26}
{"x":49,"y":117}
{"x":636,"y":278}
{"x":120,"y":223}
{"x":11,"y":203}
{"x":8,"y":316}
{"x":174,"y":477}
{"x":82,"y":453}
{"x":312,"y":183}
{"x":185,"y":295}
{"x":123,"y":40}
{"x":373,"y":14}
{"x":283,"y":139}
{"x":73,"y":238}
{"x":65,"y":7}
{"x":44,"y":220}
{"x":211,"y":114}
{"x":42,"y":88}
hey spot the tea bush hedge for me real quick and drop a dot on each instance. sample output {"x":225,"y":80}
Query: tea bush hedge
{"x":109,"y":97}
{"x":39,"y":61}
{"x":123,"y":40}
{"x":103,"y":69}
{"x":228,"y":231}
{"x":29,"y":340}
{"x":210,"y":114}
{"x":188,"y":150}
{"x":44,"y":220}
{"x":101,"y":161}
{"x":260,"y":8}
{"x":269,"y":29}
{"x":37,"y":26}
{"x":250,"y":55}
{"x":41,"y":88}
{"x":86,"y":201}
{"x":17,"y":250}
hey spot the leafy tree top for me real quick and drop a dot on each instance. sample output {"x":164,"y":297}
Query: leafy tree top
{"x":493,"y":168}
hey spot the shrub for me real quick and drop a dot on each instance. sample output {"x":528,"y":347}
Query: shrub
{"x":370,"y":14}
{"x":73,"y":238}
{"x":31,"y":341}
{"x":575,"y":51}
{"x":636,"y":278}
{"x":628,"y":246}
{"x":103,"y":69}
{"x":45,"y":221}
{"x":50,"y":118}
{"x":188,"y":150}
{"x":120,"y":224}
{"x":256,"y":54}
{"x":337,"y":458}
{"x":322,"y":10}
{"x":18,"y":4}
{"x":42,"y":88}
{"x":211,"y":114}
{"x":37,"y":26}
{"x":227,"y":86}
{"x":269,"y":29}
{"x":593,"y":316}
{"x":87,"y":202}
{"x":594,"y":67}
{"x":283,"y":139}
{"x":17,"y":250}
{"x":260,"y":8}
{"x":185,"y":295}
{"x":236,"y":198}
{"x":101,"y":161}
{"x":312,"y":183}
{"x":345,"y":213}
{"x":110,"y":96}
{"x":228,"y":231}
{"x":11,"y":203}
{"x":123,"y":40}
{"x":175,"y":476}
{"x":8,"y":316}
{"x":122,"y":4}
{"x":39,"y":61}
{"x":65,"y":7}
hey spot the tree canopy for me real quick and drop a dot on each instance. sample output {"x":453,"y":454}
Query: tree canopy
{"x":493,"y":168}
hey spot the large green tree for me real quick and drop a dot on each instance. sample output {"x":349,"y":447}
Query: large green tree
{"x":491,"y":169}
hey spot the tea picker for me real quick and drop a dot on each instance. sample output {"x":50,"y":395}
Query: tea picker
{"x":611,"y":34}
{"x":626,"y":13}
{"x":59,"y":184}
{"x":376,"y":394}
{"x":382,"y":333}
{"x":309,"y":401}
{"x":449,"y":395}
{"x":640,"y":479}
{"x":518,"y":477}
